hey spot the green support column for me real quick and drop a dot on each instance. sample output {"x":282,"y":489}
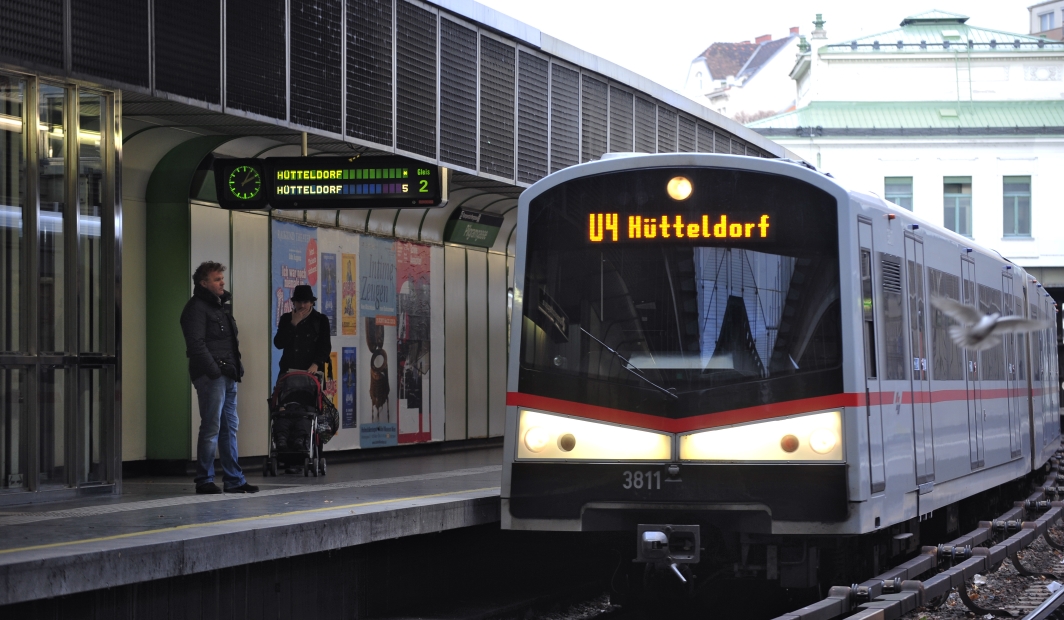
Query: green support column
{"x":169,"y":239}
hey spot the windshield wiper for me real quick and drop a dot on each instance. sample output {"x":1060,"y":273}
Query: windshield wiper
{"x":628,"y":365}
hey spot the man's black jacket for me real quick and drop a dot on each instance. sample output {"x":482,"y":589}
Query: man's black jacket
{"x":305,"y":344}
{"x":210,"y":335}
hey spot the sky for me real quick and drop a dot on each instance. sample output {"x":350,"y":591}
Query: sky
{"x":658,"y":39}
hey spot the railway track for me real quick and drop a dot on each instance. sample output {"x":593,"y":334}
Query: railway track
{"x":917,"y":588}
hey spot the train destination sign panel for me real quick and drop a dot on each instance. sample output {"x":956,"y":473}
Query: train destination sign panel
{"x":612,"y":227}
{"x":328,"y":183}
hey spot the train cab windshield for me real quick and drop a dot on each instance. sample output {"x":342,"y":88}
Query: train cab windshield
{"x":681,"y":291}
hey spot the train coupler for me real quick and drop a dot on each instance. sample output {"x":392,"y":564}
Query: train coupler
{"x":668,"y":545}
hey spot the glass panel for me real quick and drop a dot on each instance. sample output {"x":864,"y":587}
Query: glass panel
{"x":964,"y":216}
{"x":53,"y":428}
{"x":1008,"y":216}
{"x":12,"y":428}
{"x":949,"y":216}
{"x":12,"y":202}
{"x":1023,"y":216}
{"x":52,"y":144}
{"x":90,"y":201}
{"x":95,"y":385}
{"x":899,"y":190}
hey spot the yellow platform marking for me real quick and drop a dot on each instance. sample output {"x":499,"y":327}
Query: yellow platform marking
{"x":241,"y":520}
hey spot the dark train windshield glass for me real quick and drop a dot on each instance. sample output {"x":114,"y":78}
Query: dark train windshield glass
{"x":636,"y":301}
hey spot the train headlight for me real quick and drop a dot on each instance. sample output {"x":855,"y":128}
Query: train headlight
{"x":546,"y":436}
{"x":823,"y":440}
{"x":536,"y":439}
{"x":810,"y":437}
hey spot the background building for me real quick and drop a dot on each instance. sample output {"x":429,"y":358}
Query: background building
{"x":1047,"y":19}
{"x":745,"y":80}
{"x":961,"y":124}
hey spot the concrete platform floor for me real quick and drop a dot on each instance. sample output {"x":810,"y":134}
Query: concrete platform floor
{"x":160,"y":528}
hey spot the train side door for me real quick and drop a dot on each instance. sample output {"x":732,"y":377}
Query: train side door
{"x":1034,"y":403}
{"x":923,"y":429}
{"x":971,"y":374}
{"x":1011,"y":370}
{"x":873,"y":408}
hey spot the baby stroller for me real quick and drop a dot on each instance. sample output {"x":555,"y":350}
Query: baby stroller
{"x":300,"y":424}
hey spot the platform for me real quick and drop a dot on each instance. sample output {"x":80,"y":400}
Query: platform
{"x":160,"y":528}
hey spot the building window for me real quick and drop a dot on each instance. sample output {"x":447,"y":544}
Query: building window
{"x":1047,"y":21}
{"x":1017,"y":207}
{"x":899,"y":190}
{"x":957,"y":205}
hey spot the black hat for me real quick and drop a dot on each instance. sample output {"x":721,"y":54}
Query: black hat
{"x":303,"y":292}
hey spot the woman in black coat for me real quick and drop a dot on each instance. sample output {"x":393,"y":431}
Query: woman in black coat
{"x":303,"y":334}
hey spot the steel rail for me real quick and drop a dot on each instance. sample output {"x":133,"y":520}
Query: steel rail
{"x":897,"y":591}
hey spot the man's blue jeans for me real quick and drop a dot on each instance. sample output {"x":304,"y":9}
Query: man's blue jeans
{"x":218,"y":426}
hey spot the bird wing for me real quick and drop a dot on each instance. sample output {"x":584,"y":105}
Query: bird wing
{"x":964,"y":337}
{"x":1017,"y":325}
{"x":964,"y":314}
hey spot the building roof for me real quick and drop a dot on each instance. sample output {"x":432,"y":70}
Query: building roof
{"x":935,"y":16}
{"x":918,"y":116}
{"x":938,"y":31}
{"x":724,"y":59}
{"x":741,"y":60}
{"x":764,"y":53}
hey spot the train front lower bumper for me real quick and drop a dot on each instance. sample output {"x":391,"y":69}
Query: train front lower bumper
{"x":617,"y":497}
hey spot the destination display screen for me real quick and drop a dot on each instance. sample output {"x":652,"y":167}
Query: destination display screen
{"x":387,"y":181}
{"x":681,"y":228}
{"x":328,"y":183}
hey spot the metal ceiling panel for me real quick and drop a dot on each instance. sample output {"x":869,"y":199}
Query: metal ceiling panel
{"x":369,"y":70}
{"x":498,"y":71}
{"x":458,"y":95}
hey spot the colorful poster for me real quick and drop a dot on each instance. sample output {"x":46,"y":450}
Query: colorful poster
{"x":338,"y":258}
{"x":376,"y":304}
{"x":376,"y":277}
{"x":294,"y":261}
{"x":348,"y":290}
{"x":347,"y":386}
{"x":412,"y":266}
{"x":327,"y":300}
{"x":331,"y":388}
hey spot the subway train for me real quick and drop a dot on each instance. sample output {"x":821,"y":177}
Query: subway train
{"x":738,"y":362}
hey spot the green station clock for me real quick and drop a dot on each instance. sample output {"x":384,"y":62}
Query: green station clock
{"x":245,"y":182}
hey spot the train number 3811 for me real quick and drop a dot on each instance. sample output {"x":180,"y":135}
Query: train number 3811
{"x":642,"y":480}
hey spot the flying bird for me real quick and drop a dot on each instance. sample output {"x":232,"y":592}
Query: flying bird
{"x":978,"y":331}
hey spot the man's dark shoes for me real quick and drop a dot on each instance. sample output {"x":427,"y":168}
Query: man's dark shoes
{"x":207,"y":488}
{"x":244,"y":488}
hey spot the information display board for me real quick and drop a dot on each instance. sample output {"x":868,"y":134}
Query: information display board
{"x":388,"y":182}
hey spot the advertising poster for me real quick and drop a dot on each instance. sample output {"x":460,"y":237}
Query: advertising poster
{"x":294,"y":261}
{"x":331,"y":387}
{"x":412,"y":266}
{"x":376,"y":309}
{"x":348,"y":289}
{"x":327,"y":298}
{"x":338,"y":252}
{"x":347,"y":387}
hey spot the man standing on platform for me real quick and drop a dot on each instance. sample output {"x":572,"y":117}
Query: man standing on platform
{"x":214,"y":366}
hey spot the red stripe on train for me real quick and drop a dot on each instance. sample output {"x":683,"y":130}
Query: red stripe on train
{"x":740,"y":416}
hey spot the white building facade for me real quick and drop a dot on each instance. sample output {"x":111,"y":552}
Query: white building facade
{"x":962,"y":125}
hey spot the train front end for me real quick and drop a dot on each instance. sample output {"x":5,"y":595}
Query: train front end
{"x":676,"y":351}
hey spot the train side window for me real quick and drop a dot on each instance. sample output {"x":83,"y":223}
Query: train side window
{"x":895,"y":363}
{"x":868,"y":307}
{"x":947,"y":361}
